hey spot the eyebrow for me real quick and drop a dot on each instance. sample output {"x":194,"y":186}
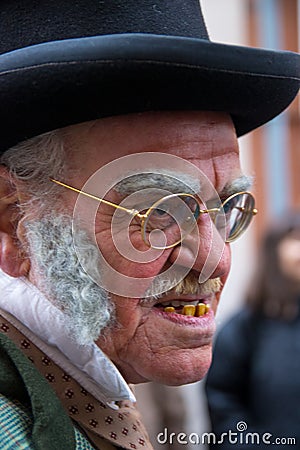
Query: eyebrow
{"x":174,"y":182}
{"x":239,"y":184}
{"x":177,"y":182}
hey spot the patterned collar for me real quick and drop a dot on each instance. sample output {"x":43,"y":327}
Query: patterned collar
{"x":44,"y":326}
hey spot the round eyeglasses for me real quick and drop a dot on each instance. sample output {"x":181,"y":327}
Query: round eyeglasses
{"x":172,"y":218}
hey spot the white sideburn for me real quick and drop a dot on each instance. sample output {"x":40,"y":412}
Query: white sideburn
{"x":88,"y":365}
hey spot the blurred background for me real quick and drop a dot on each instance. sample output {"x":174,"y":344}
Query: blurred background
{"x":272,"y":155}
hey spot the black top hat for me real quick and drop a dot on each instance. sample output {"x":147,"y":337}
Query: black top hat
{"x":68,"y":61}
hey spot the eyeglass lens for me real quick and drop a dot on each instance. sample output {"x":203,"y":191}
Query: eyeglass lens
{"x":169,"y":220}
{"x":237,"y":211}
{"x":172,"y":218}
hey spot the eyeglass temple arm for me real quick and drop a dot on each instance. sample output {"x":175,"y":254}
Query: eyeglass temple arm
{"x":253,"y":211}
{"x":134,"y":212}
{"x":206,"y":211}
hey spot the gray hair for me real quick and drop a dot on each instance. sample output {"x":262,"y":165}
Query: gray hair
{"x":31,"y":164}
{"x":88,"y":309}
{"x":86,"y":305}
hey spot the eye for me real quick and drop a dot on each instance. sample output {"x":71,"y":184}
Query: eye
{"x":230,"y":204}
{"x":193,"y":205}
{"x":180,"y":210}
{"x":227,"y":207}
{"x":160,"y":218}
{"x":159,"y":212}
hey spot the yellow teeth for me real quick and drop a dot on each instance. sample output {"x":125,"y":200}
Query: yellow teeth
{"x":169,"y":309}
{"x":190,"y":310}
{"x":200,"y":310}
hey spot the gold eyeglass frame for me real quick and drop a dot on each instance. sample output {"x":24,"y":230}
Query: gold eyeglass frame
{"x":143,"y":217}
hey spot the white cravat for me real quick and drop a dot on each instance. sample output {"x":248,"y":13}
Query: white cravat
{"x":42,"y":322}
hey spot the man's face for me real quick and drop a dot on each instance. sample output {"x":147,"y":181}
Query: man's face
{"x":148,"y":343}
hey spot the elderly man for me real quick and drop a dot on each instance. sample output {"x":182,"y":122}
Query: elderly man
{"x":121,"y":189}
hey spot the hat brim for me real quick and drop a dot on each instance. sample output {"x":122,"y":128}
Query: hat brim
{"x":56,"y":84}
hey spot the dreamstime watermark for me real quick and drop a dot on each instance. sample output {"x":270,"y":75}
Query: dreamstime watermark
{"x":240,"y":436}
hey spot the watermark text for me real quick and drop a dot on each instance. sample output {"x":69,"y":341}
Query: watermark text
{"x":239,"y":436}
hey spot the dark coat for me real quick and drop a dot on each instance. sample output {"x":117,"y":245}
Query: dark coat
{"x":255,"y":378}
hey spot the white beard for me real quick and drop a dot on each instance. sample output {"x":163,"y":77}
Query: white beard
{"x":61,"y":278}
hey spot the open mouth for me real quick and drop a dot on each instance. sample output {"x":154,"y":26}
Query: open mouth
{"x":193,"y":308}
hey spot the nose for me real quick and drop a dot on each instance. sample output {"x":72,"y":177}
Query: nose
{"x":204,"y":251}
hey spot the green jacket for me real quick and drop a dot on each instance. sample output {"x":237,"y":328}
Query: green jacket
{"x":46,"y":424}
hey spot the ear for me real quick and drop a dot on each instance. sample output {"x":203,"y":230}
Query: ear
{"x":12,"y":260}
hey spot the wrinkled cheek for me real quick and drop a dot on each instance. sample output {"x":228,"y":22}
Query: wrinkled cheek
{"x":128,"y":313}
{"x":132,"y":270}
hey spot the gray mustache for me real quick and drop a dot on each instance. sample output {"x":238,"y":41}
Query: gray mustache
{"x":189,"y":285}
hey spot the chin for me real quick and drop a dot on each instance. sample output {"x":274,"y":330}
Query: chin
{"x":189,"y":366}
{"x":187,"y":374}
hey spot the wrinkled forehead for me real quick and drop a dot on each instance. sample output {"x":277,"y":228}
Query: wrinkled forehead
{"x":187,"y":134}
